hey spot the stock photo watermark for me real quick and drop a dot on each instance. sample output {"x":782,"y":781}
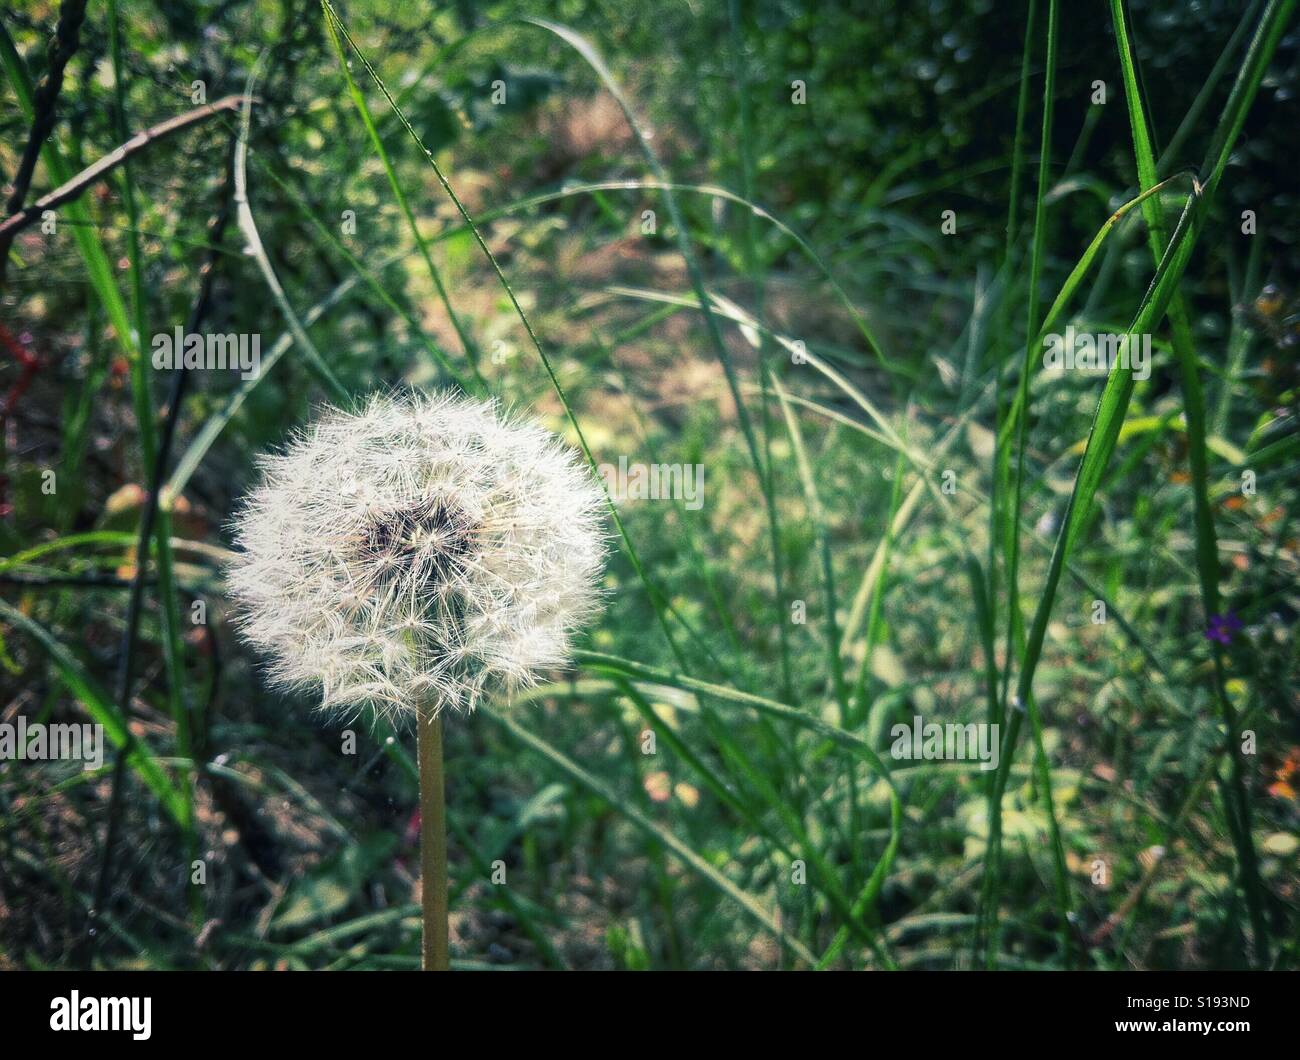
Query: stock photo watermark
{"x":77,"y":1013}
{"x":1102,"y":352}
{"x":24,"y":741}
{"x":924,"y":741}
{"x":208,"y":351}
{"x":655,"y":482}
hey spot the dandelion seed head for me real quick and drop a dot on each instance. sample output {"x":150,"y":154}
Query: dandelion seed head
{"x":422,"y":553}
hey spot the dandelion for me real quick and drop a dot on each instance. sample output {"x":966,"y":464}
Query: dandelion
{"x":417,"y":557}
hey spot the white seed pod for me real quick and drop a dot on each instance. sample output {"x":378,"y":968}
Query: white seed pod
{"x":417,"y":555}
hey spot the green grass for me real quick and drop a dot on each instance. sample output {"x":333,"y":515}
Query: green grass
{"x":904,"y":516}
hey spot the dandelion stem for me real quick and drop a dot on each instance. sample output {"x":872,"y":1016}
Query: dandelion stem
{"x":433,"y":847}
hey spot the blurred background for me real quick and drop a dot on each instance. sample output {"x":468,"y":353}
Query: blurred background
{"x":245,"y":830}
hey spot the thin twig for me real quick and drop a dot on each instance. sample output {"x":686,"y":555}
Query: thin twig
{"x":11,"y":226}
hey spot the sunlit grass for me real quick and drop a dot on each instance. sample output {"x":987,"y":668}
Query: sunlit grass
{"x":903,"y":518}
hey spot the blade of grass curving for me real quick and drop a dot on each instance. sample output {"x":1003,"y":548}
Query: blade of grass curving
{"x":1113,"y":404}
{"x":836,"y":416}
{"x":841,"y":737}
{"x":729,"y":310}
{"x":681,"y":233}
{"x":105,"y":537}
{"x":216,"y":423}
{"x":101,"y":709}
{"x":1076,"y":277}
{"x":589,"y":54}
{"x":435,"y":352}
{"x":359,"y":100}
{"x":782,"y":711}
{"x":248,"y":226}
{"x":723,"y":194}
{"x":925,"y":465}
{"x":652,"y":828}
{"x":68,"y":541}
{"x":1168,"y":159}
{"x":655,"y":594}
{"x":888,"y":436}
{"x":1207,"y":548}
{"x":678,"y":746}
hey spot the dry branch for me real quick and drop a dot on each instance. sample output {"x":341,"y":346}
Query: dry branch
{"x":11,"y":226}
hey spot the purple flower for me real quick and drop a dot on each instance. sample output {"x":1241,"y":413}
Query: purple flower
{"x":1222,"y":627}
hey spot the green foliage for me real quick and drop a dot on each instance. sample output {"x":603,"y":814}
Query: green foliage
{"x":620,"y":219}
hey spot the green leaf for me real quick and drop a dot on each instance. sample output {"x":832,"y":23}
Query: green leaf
{"x":329,"y":889}
{"x":101,"y":709}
